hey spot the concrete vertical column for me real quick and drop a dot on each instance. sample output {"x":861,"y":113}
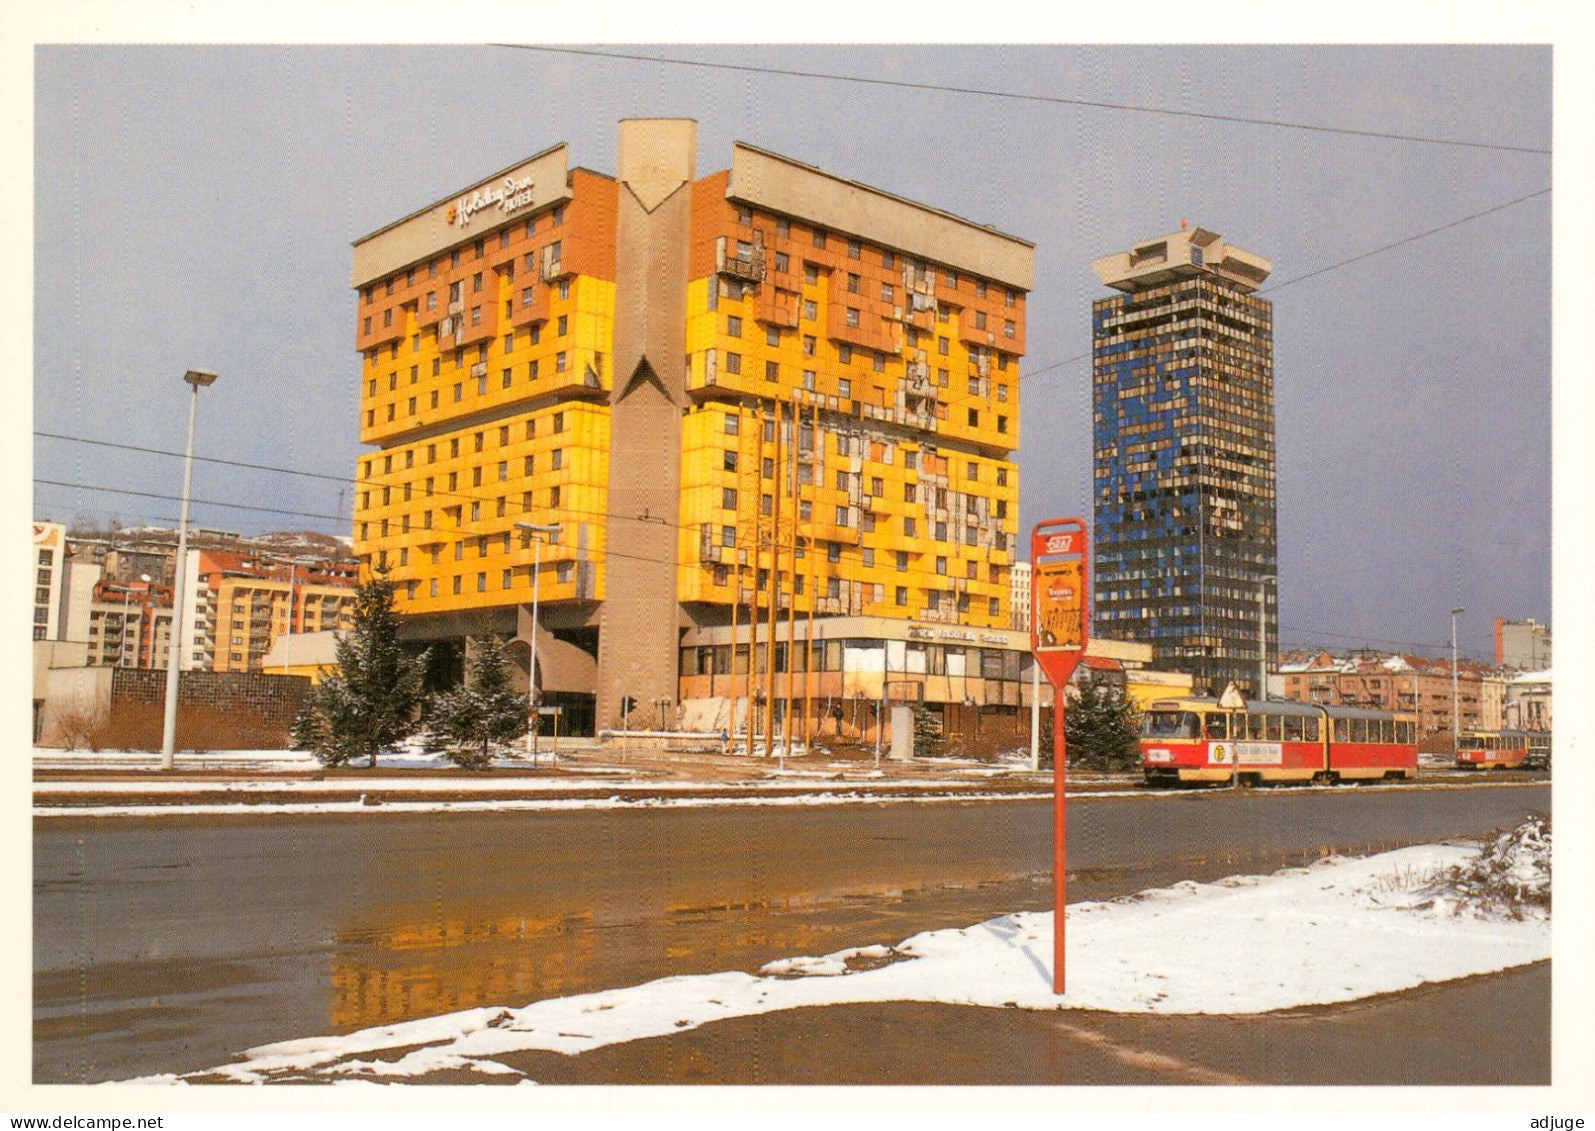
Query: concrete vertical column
{"x":639,"y":625}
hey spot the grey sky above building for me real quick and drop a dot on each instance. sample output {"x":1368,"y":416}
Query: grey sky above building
{"x":194,"y":207}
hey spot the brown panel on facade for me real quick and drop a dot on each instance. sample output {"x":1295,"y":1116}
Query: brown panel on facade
{"x":589,"y":230}
{"x":637,"y":652}
{"x":713,"y":216}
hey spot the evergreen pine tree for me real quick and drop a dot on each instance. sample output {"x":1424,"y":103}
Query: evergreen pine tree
{"x":370,"y":702}
{"x":927,"y":731}
{"x":1103,"y":728}
{"x":484,"y":710}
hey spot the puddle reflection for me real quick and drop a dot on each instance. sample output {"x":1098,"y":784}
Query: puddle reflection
{"x":408,"y":965}
{"x":418,"y":968}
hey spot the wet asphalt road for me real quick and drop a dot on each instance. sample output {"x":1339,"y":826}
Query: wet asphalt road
{"x":169,"y":944}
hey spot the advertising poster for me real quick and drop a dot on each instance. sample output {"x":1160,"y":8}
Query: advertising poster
{"x":1059,"y":594}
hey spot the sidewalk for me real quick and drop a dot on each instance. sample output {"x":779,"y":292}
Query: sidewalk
{"x":1489,"y":1030}
{"x":578,"y":773}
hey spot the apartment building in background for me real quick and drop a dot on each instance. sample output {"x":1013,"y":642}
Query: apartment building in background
{"x":1185,"y":537}
{"x":238,"y":602}
{"x":129,"y":623}
{"x":49,"y":561}
{"x":1522,"y":644}
{"x":1417,"y":685}
{"x":1527,"y":702}
{"x":764,"y":388}
{"x":112,"y":593}
{"x":1019,"y":597}
{"x":118,"y":619}
{"x":106,"y":602}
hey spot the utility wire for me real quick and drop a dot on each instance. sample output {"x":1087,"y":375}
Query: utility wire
{"x":1401,"y":243}
{"x":352,"y":481}
{"x":197,"y":459}
{"x":341,"y":479}
{"x":812,"y":545}
{"x":1021,"y":378}
{"x":1314,"y":633}
{"x":1310,"y":634}
{"x":1334,"y":266}
{"x":178,"y":498}
{"x":1057,"y":100}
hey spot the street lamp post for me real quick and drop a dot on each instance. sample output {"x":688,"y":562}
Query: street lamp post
{"x":534,"y":529}
{"x":293,"y":565}
{"x":1456,"y":715}
{"x":197,"y":379}
{"x":138,"y":646}
{"x":1262,"y":636}
{"x":288,"y":632}
{"x":1262,"y":675}
{"x":1035,"y":716}
{"x":127,"y":598}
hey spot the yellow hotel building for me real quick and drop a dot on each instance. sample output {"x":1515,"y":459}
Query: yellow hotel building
{"x":764,"y":386}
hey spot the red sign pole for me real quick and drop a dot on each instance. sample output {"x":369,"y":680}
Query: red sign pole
{"x":1060,"y":749}
{"x":1059,"y":628}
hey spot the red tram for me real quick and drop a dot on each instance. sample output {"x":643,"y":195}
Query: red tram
{"x":1196,"y":740}
{"x":1504,"y":750}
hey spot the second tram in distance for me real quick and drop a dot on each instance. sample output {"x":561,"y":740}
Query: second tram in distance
{"x":1196,"y":740}
{"x":1504,"y":750}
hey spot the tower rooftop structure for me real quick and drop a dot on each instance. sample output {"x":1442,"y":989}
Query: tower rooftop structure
{"x":1181,"y":254}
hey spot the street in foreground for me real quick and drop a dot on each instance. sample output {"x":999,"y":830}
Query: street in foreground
{"x":170,"y":945}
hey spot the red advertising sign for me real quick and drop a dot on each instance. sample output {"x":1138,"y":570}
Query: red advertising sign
{"x":1059,"y":624}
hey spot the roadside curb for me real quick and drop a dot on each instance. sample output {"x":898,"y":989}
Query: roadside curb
{"x":59,"y":795}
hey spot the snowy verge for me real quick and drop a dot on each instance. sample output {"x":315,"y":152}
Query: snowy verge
{"x":1337,"y":931}
{"x":523,"y":805}
{"x":367,"y":797}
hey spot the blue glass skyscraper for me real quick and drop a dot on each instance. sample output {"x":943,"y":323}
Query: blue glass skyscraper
{"x":1183,"y":441}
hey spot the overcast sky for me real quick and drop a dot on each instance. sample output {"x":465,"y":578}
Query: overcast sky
{"x":194,"y":207}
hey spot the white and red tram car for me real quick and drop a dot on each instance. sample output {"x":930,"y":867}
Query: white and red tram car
{"x":1504,"y":750}
{"x":1197,"y":740}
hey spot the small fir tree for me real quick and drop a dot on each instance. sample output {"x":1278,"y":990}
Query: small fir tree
{"x":483,"y":711}
{"x":927,"y":731}
{"x":370,"y":702}
{"x":1102,"y":727}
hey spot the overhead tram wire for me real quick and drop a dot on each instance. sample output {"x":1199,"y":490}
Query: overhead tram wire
{"x":912,"y":572}
{"x":1334,"y":266}
{"x":298,"y":514}
{"x":464,"y":534}
{"x":197,"y":459}
{"x":354,"y":481}
{"x":1364,"y":638}
{"x":175,"y":498}
{"x":1091,"y":104}
{"x":1054,"y":99}
{"x":389,"y":479}
{"x":977,"y":92}
{"x":1310,"y":635}
{"x":1403,"y":242}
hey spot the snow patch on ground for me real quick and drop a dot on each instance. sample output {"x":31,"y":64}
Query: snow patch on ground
{"x":519,"y":806}
{"x":1337,"y":931}
{"x":751,"y":794}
